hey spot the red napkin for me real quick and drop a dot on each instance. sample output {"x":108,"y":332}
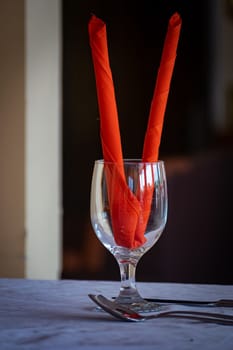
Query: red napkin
{"x":129,"y":212}
{"x":159,"y":101}
{"x":124,"y":206}
{"x":158,"y":106}
{"x":109,"y":128}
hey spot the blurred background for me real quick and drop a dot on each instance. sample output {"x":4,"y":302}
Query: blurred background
{"x":49,"y":135}
{"x":197,"y":243}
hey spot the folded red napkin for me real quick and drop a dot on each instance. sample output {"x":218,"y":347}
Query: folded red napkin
{"x":109,"y":127}
{"x":124,"y":206}
{"x":159,"y":101}
{"x":158,"y":105}
{"x":129,"y":212}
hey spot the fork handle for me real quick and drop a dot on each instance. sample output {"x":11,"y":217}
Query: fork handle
{"x":208,"y":319}
{"x":200,"y":313}
{"x":219,"y":303}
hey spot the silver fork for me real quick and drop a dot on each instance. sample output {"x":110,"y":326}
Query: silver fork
{"x":125,"y":313}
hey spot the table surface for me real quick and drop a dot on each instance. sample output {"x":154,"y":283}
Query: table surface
{"x":42,"y":314}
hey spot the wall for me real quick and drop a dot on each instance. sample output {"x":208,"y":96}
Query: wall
{"x":30,"y":155}
{"x":221,"y":68}
{"x":43,"y":139}
{"x":12,"y":142}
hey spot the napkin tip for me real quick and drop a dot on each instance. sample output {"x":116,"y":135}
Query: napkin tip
{"x":93,"y":16}
{"x":95,"y":23}
{"x":175,"y":19}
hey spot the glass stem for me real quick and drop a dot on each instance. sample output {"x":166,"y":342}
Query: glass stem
{"x":128,"y":290}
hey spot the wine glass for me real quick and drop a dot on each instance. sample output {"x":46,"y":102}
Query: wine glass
{"x":128,"y":213}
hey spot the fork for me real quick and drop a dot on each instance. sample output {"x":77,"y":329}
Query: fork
{"x":125,"y":313}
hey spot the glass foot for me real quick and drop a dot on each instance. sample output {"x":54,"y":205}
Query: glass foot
{"x":140,"y":304}
{"x":146,"y":306}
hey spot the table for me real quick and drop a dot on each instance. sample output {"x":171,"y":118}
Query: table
{"x":42,"y":314}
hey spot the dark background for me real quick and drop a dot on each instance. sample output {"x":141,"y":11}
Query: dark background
{"x":197,"y":243}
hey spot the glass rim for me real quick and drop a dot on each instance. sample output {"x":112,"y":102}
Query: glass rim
{"x":130,"y":161}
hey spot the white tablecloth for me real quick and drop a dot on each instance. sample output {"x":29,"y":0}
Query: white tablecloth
{"x":41,"y":314}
